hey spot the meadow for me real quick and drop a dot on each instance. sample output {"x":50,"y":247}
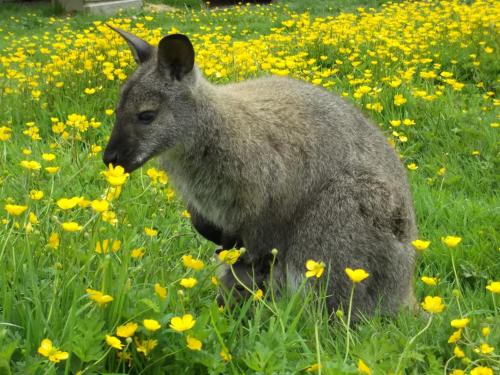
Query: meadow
{"x":101,"y":272}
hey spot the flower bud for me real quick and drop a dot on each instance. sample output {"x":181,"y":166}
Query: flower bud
{"x":455,"y":293}
{"x":242,"y":251}
{"x":339,"y":313}
{"x":274,"y":252}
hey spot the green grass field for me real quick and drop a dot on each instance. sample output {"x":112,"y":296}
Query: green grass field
{"x":79,"y":259}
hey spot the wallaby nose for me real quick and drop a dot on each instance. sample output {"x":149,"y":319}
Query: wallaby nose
{"x":110,"y":157}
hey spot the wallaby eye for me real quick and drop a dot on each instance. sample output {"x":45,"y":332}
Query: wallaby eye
{"x":146,"y":117}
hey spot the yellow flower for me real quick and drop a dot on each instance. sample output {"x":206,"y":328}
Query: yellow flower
{"x":5,"y":133}
{"x":455,"y":336}
{"x":115,"y":176}
{"x":14,"y":209}
{"x":109,"y":112}
{"x":145,"y":346}
{"x":150,"y":232}
{"x":433,"y":305}
{"x":494,"y":287}
{"x":421,"y":245}
{"x":188,"y":282}
{"x":182,"y":324}
{"x":357,"y":275}
{"x":36,"y":195}
{"x":54,"y":240}
{"x":314,"y":268}
{"x":485,"y":349}
{"x":71,"y":226}
{"x":151,"y":325}
{"x":52,"y":170}
{"x":67,"y":204}
{"x":160,"y":291}
{"x":33,"y":219}
{"x":458,"y":352}
{"x":137,"y":253}
{"x":457,"y":372}
{"x":412,"y":166}
{"x":109,"y":217}
{"x":103,"y":247}
{"x":258,"y":295}
{"x":226,"y":356}
{"x":313,"y":368}
{"x":229,"y":256}
{"x":114,"y":342}
{"x":395,"y":123}
{"x":460,"y":323}
{"x":193,"y":343}
{"x":432,"y":281}
{"x":485,"y":331}
{"x":31,"y":165}
{"x":100,"y":298}
{"x":481,"y":370}
{"x":126,"y":330}
{"x":113,"y":192}
{"x":451,"y":241}
{"x":185,"y":214}
{"x":100,"y":205}
{"x":48,"y":156}
{"x":52,"y":353}
{"x":190,"y":262}
{"x":89,"y":91}
{"x":363,"y":368}
{"x":399,"y":100}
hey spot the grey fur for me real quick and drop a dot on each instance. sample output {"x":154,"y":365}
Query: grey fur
{"x":283,"y":164}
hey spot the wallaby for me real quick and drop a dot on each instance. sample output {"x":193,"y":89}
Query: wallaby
{"x":277,"y":163}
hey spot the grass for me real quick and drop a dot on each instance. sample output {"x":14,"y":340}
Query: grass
{"x":55,"y":66}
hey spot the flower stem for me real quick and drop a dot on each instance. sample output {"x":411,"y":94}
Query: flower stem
{"x":411,"y":342}
{"x":348,"y":326}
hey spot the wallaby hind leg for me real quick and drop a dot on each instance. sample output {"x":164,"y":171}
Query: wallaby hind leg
{"x":335,"y":229}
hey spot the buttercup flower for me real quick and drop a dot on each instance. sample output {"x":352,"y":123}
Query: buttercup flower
{"x":182,"y":324}
{"x":481,"y":370}
{"x":114,"y":342}
{"x":363,"y":368}
{"x":314,"y":268}
{"x":433,"y":305}
{"x":190,"y":262}
{"x":100,"y":298}
{"x":494,"y":287}
{"x":71,"y":226}
{"x":115,"y":176}
{"x":126,"y":330}
{"x":52,"y":353}
{"x":188,"y":282}
{"x":357,"y":275}
{"x":451,"y":241}
{"x":160,"y":291}
{"x":460,"y":323}
{"x":229,"y":256}
{"x":193,"y":343}
{"x":151,"y":325}
{"x":145,"y":346}
{"x":429,"y":280}
{"x":421,"y":245}
{"x":14,"y":209}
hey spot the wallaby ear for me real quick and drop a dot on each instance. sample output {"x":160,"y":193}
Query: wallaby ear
{"x":141,"y":49}
{"x":176,"y":55}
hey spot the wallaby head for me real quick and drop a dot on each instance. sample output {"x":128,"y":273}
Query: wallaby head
{"x":155,"y":110}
